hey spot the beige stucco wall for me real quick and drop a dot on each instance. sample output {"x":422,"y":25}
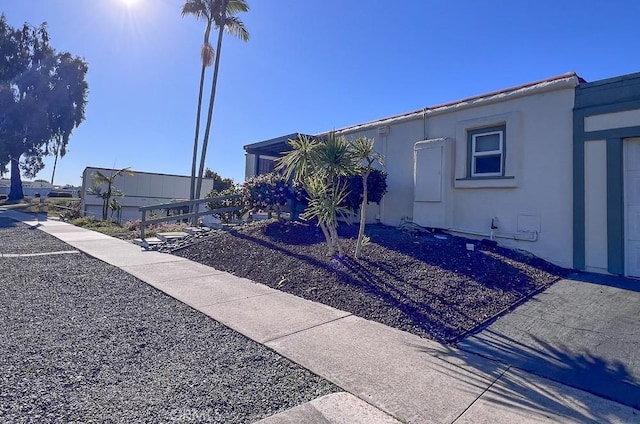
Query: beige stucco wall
{"x":538,"y":157}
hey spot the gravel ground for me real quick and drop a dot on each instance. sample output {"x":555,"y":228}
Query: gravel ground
{"x":18,"y":238}
{"x":420,"y":283}
{"x":83,"y":341}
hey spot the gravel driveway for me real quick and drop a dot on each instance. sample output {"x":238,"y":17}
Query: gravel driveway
{"x":83,"y":341}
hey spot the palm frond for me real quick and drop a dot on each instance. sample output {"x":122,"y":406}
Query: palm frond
{"x":299,"y":161}
{"x":237,"y":6}
{"x":363,"y":151}
{"x":197,"y":8}
{"x":324,"y":201}
{"x":335,"y":157}
{"x":236,"y":27}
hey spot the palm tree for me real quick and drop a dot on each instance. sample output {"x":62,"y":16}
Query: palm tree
{"x":219,"y":14}
{"x":99,"y":179}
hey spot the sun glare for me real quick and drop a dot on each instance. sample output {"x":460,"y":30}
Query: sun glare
{"x":129,"y":3}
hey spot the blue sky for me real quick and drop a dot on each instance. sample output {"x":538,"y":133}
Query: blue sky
{"x":310,"y":66}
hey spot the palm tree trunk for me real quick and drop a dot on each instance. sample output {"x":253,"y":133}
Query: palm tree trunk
{"x":335,"y":240}
{"x":327,"y":237}
{"x":214,"y":83}
{"x":197,"y":136}
{"x":198,"y":115}
{"x":363,"y":215}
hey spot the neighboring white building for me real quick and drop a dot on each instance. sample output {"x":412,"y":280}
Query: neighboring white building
{"x":488,"y":160}
{"x":33,"y":188}
{"x":140,"y":189}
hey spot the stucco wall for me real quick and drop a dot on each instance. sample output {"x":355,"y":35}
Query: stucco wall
{"x":538,"y":158}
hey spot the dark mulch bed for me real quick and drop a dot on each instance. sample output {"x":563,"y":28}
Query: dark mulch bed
{"x":419,"y":283}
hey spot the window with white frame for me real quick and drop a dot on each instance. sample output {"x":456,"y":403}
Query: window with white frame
{"x":486,"y":151}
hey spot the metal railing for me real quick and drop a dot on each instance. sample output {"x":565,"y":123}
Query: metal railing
{"x":144,"y":222}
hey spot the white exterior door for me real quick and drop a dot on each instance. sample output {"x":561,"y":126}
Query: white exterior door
{"x":632,"y":206}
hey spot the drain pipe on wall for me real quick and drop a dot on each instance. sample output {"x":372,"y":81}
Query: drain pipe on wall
{"x":384,"y":133}
{"x":533,"y":236}
{"x":424,"y":123}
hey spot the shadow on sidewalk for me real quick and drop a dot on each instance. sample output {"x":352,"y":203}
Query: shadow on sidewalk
{"x":582,"y":370}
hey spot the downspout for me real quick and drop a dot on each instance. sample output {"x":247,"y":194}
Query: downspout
{"x":424,"y":123}
{"x":384,"y":166}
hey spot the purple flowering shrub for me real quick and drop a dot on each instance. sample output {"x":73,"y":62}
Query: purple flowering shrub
{"x":266,"y":192}
{"x":228,"y":217}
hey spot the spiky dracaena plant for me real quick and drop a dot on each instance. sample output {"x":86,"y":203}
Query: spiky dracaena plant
{"x":362,"y":150}
{"x":317,"y":164}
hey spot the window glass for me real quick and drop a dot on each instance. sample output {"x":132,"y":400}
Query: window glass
{"x":488,"y":143}
{"x":486,"y":152}
{"x":488,"y":164}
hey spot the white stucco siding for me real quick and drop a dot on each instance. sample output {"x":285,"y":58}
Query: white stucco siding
{"x":538,"y":149}
{"x":537,"y":196}
{"x":397,"y":148}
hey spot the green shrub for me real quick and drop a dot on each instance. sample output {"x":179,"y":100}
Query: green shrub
{"x":376,"y":189}
{"x":133,"y":227}
{"x":68,"y":211}
{"x":266,"y":192}
{"x":227,"y":217}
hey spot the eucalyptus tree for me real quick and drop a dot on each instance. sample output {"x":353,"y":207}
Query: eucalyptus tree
{"x":43,"y":95}
{"x":219,"y":14}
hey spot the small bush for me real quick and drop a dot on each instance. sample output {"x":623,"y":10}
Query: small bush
{"x":266,"y":192}
{"x":227,"y":217}
{"x":69,"y":210}
{"x":376,"y":189}
{"x":92,"y":222}
{"x":151,"y":230}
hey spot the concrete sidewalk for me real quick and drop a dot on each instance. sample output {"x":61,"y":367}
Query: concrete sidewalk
{"x":387,"y":373}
